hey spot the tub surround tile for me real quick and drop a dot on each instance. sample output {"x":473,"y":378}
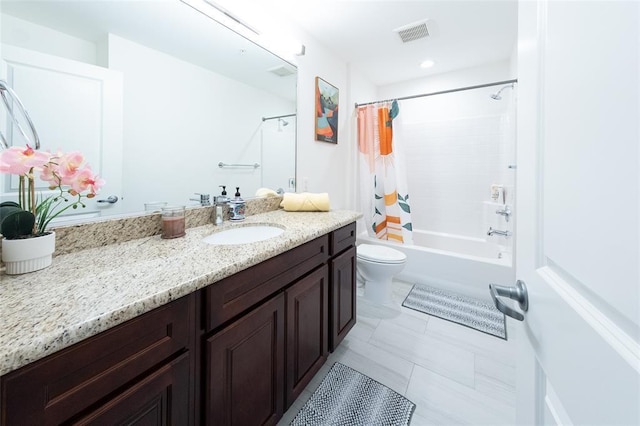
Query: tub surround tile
{"x":92,"y":290}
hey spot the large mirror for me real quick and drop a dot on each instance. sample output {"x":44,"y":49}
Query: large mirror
{"x":161,"y":99}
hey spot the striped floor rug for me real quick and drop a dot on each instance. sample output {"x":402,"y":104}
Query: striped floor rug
{"x":349,"y":398}
{"x":473,"y":313}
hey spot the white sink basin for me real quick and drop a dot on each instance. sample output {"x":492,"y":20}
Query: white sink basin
{"x":243,"y":235}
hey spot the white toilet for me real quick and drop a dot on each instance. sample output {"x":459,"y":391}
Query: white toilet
{"x":377,"y":265}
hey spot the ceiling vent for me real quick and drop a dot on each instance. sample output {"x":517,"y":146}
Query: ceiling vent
{"x":414,"y":31}
{"x":282,"y":70}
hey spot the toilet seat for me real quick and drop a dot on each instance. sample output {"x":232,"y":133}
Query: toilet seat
{"x":380,"y":254}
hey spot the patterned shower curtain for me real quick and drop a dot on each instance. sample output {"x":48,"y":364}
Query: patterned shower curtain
{"x":383,"y":182}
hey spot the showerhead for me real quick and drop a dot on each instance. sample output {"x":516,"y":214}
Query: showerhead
{"x":497,"y":96}
{"x":284,"y":122}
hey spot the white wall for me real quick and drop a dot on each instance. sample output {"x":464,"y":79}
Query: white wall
{"x":498,"y":71}
{"x":226,"y":131}
{"x":28,"y":35}
{"x":321,"y":166}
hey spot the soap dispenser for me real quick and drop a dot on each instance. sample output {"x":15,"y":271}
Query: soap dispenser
{"x":236,"y":207}
{"x":219,"y":203}
{"x":222,"y":198}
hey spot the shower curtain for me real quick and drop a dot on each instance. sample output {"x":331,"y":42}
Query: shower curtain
{"x":383,"y":182}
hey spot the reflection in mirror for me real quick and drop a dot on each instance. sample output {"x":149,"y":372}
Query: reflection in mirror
{"x":154,"y":94}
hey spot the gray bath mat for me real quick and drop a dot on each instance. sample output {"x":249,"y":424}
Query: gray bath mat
{"x":473,"y":313}
{"x":349,"y":398}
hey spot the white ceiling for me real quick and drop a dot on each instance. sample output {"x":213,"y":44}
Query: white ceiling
{"x":463,"y":33}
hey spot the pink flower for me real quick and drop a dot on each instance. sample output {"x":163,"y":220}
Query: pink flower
{"x":19,"y":161}
{"x":50,"y":171}
{"x":65,"y":173}
{"x":84,"y":180}
{"x":68,"y":165}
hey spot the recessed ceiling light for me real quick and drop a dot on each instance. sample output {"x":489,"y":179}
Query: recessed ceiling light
{"x":427,"y":64}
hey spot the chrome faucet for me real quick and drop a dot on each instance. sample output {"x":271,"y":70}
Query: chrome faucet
{"x":203,"y":200}
{"x":492,"y":231}
{"x":506,"y":212}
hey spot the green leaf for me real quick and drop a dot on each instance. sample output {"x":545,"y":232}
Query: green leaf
{"x":395,"y":110}
{"x":408,"y":226}
{"x":405,"y":207}
{"x":373,"y":227}
{"x":378,"y":212}
{"x":377,"y":197}
{"x":400,"y":197}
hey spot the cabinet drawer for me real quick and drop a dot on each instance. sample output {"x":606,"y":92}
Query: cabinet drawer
{"x":343,"y":238}
{"x":235,"y":294}
{"x":62,"y":385}
{"x":161,"y":398}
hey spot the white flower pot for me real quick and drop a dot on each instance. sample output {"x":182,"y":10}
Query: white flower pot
{"x":29,"y":254}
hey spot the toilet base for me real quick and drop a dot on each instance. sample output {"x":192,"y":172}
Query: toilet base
{"x":378,"y":291}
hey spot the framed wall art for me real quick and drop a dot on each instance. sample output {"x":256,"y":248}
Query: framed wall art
{"x":326,"y":112}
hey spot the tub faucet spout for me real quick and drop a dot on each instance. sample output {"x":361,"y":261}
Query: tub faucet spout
{"x":492,"y":231}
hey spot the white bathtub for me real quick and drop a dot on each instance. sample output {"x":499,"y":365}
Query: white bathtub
{"x":462,"y":265}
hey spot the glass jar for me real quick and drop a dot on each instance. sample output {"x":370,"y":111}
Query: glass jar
{"x":154,"y":206}
{"x":173,"y":221}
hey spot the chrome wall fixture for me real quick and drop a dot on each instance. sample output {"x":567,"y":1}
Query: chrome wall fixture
{"x":224,"y":165}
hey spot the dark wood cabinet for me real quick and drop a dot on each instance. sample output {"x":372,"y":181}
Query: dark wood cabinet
{"x":237,"y":352}
{"x":161,"y":398}
{"x":343,"y":296}
{"x":245,"y":368}
{"x":307,"y":331}
{"x":89,"y":380}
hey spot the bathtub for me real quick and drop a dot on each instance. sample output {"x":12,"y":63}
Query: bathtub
{"x":462,"y":265}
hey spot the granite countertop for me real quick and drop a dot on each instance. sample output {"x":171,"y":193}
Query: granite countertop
{"x":89,"y":291}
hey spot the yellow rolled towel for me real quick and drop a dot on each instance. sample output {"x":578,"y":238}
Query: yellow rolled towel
{"x":305,"y":202}
{"x":266,"y":192}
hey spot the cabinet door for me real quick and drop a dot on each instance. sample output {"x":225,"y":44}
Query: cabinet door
{"x":66,"y":384}
{"x":245,"y":368}
{"x":343,"y":296}
{"x":162,"y":398}
{"x":307,"y":330}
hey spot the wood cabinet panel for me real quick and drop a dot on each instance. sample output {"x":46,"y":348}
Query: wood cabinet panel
{"x":343,"y":296}
{"x":237,"y":293}
{"x":245,"y":368}
{"x":307,"y":331}
{"x":56,"y":388}
{"x":342,"y":238}
{"x":161,"y":398}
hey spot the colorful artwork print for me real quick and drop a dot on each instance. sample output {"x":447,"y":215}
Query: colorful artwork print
{"x":326,"y":112}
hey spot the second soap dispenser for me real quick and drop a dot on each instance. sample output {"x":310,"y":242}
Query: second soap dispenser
{"x":237,"y":207}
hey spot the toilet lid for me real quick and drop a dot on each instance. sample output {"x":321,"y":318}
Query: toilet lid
{"x":380,"y":254}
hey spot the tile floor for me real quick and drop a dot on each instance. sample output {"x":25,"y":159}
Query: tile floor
{"x":454,"y":375}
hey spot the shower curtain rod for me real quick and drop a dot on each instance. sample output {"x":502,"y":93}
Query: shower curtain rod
{"x":278,"y":116}
{"x":480,"y":86}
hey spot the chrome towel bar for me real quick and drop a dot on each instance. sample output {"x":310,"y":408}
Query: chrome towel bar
{"x":223,"y":165}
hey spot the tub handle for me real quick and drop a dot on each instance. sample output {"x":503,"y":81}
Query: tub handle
{"x":517,"y":293}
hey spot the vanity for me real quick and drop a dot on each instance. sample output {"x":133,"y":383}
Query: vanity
{"x":179,"y":331}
